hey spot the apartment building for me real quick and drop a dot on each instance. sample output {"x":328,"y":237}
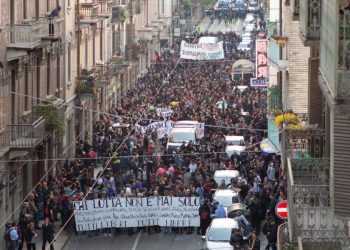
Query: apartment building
{"x":59,"y":72}
{"x":32,"y":73}
{"x":315,"y":156}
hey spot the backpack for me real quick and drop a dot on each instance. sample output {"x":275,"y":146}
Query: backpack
{"x":7,"y":237}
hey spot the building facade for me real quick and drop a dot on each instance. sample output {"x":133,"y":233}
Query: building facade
{"x":59,"y":70}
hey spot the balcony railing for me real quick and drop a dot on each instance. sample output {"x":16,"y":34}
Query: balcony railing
{"x":309,"y":210}
{"x":52,"y":28}
{"x":119,"y":13}
{"x":88,"y":12}
{"x":310,"y":20}
{"x":344,"y":53}
{"x":28,"y":133}
{"x":24,"y":36}
{"x":104,"y":8}
{"x":90,"y":78}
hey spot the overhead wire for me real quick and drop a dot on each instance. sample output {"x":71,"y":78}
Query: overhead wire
{"x":110,"y":159}
{"x":36,"y":185}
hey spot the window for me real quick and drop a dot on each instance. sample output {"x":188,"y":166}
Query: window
{"x":48,"y":75}
{"x":68,"y":3}
{"x":162,"y":8}
{"x":26,"y":87}
{"x":38,"y":79}
{"x":86,"y":49}
{"x":69,"y":62}
{"x":25,"y":9}
{"x":58,"y":86}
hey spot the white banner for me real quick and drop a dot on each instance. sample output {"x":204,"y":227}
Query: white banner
{"x":201,"y":130}
{"x":161,"y":127}
{"x":163,"y":211}
{"x":165,"y":112}
{"x":202,"y":51}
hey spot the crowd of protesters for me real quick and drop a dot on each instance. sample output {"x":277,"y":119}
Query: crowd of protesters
{"x":139,"y":165}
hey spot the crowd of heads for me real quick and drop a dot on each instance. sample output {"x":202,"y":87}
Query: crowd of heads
{"x":138,"y":164}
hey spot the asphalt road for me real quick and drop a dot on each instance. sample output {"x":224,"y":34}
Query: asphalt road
{"x":141,"y":240}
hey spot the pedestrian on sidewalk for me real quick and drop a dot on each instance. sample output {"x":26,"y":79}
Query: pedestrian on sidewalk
{"x":48,"y":236}
{"x":30,"y":236}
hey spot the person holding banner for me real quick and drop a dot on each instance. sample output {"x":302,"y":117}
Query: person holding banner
{"x":204,"y":214}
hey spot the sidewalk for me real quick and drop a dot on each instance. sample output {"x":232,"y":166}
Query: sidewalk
{"x":60,"y":242}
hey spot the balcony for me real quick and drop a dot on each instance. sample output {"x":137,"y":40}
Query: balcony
{"x":119,"y":14}
{"x":136,"y":7}
{"x":311,"y":219}
{"x":294,"y":7}
{"x":24,"y":36}
{"x":119,"y":63}
{"x":90,"y":78}
{"x":276,"y":42}
{"x":104,"y":8}
{"x":28,"y":133}
{"x":88,"y":13}
{"x":310,"y":21}
{"x":52,"y":29}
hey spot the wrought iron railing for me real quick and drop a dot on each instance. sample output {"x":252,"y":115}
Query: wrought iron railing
{"x":24,"y":35}
{"x":310,"y":213}
{"x":52,"y":27}
{"x":104,"y":7}
{"x":310,"y":19}
{"x":88,"y":11}
{"x":303,"y":143}
{"x":26,"y":135}
{"x":344,"y":52}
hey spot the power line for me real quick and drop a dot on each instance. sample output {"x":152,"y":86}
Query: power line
{"x":36,"y":185}
{"x":108,"y":162}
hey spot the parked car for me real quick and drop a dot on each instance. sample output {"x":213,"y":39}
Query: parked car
{"x":243,"y":46}
{"x":226,"y":175}
{"x":183,"y":132}
{"x":226,"y":197}
{"x":234,"y":144}
{"x":219,"y":233}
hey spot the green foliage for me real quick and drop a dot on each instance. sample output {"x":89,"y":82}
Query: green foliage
{"x":53,"y":119}
{"x":207,"y":2}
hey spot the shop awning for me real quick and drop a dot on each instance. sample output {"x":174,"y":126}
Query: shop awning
{"x":267,"y":147}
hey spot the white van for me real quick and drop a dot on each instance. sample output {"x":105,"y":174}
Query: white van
{"x":226,"y":175}
{"x":208,"y":39}
{"x":183,"y":131}
{"x":234,"y":144}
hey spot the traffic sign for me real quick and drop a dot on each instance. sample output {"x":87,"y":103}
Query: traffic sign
{"x":254,"y":82}
{"x":281,"y":210}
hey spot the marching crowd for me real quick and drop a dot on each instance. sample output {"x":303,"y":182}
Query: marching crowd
{"x":139,"y":165}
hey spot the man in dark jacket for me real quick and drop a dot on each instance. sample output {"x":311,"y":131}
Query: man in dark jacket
{"x":47,"y":228}
{"x":236,"y":239}
{"x":271,"y":235}
{"x":204,"y":215}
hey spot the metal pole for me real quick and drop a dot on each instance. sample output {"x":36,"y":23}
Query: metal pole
{"x":78,"y":52}
{"x":280,"y":78}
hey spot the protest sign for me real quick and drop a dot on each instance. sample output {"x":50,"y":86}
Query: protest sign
{"x":119,"y":212}
{"x":202,"y":51}
{"x":164,"y":112}
{"x":201,"y":130}
{"x":161,"y":127}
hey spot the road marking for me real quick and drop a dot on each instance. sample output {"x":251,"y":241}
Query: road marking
{"x":136,"y":241}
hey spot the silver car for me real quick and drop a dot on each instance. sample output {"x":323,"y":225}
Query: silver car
{"x":219,"y":233}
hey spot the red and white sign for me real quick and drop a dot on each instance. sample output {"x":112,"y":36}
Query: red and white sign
{"x":282,"y":210}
